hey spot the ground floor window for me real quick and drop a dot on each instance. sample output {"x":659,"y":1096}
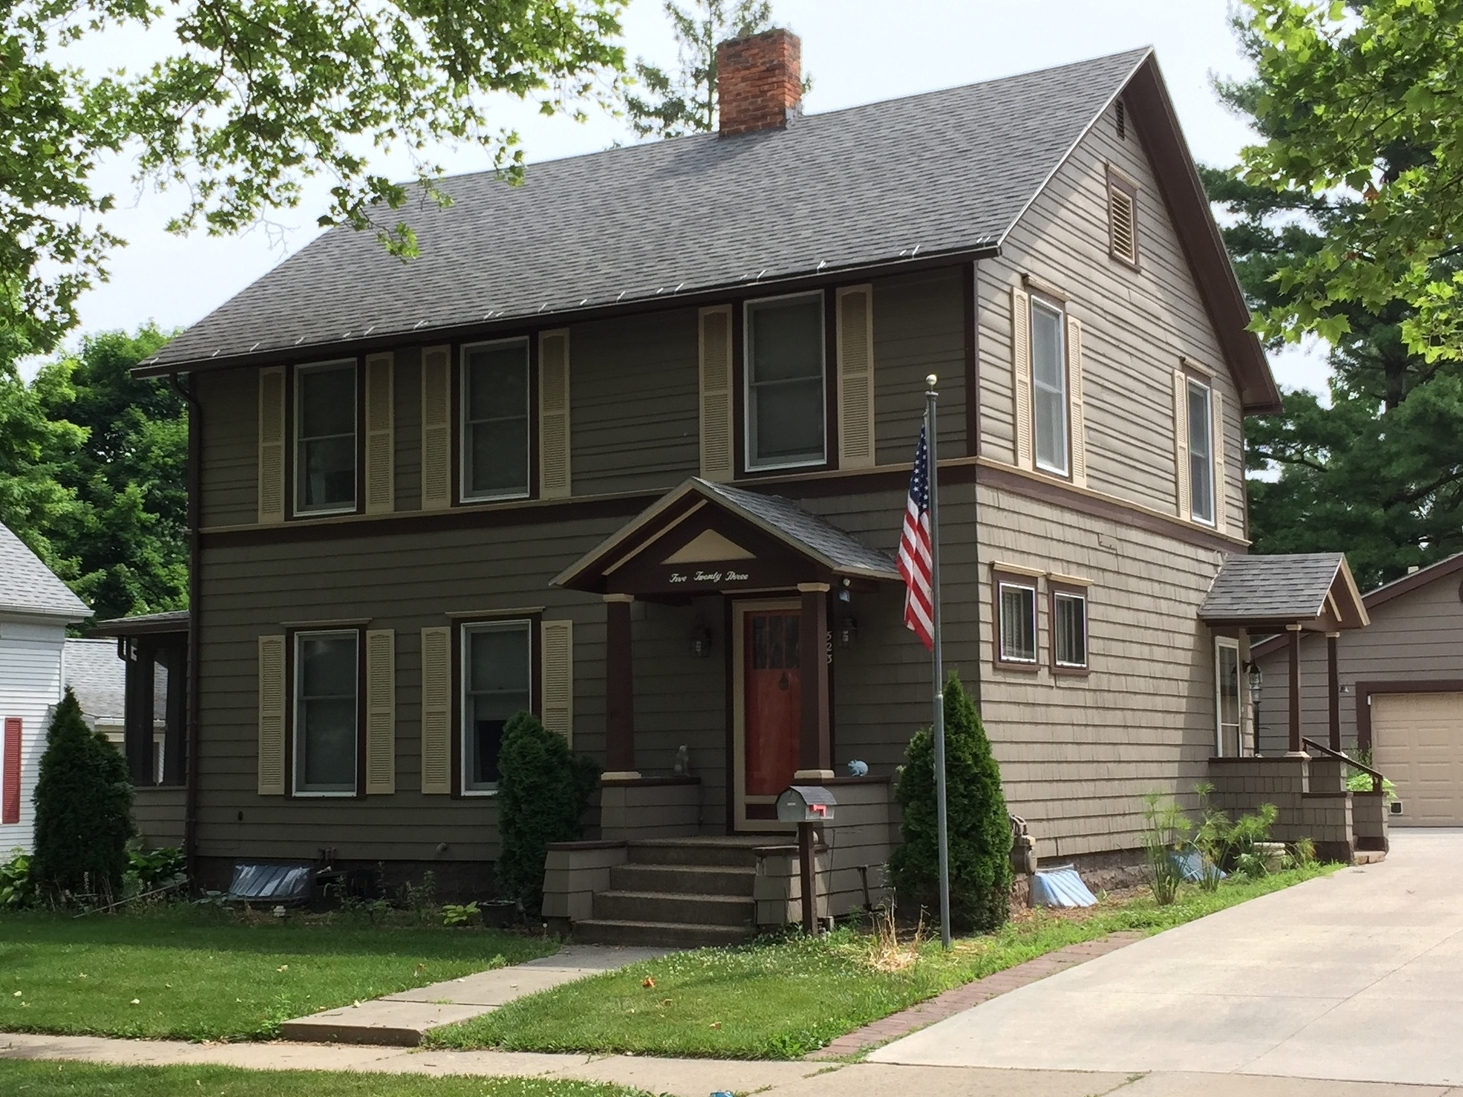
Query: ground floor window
{"x":1227,"y":697}
{"x":1016,"y":624}
{"x":496,"y":685}
{"x":1069,"y":629}
{"x":327,"y":722}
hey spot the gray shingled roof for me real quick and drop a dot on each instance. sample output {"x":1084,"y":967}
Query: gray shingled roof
{"x":948,"y":171}
{"x":28,"y":587}
{"x":839,"y":550}
{"x":1272,"y":588}
{"x":98,"y":678}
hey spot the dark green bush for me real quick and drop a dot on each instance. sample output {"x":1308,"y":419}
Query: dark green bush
{"x":156,"y":869}
{"x":980,"y":829}
{"x":542,"y":793}
{"x":83,"y":804}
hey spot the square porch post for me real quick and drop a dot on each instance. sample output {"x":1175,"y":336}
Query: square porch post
{"x":1295,"y":736}
{"x":1333,"y":683}
{"x":815,"y":747}
{"x":619,"y":690}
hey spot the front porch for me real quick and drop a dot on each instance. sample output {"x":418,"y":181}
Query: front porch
{"x":663,"y":862}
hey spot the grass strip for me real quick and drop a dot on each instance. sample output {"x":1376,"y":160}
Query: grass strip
{"x":37,"y":1078}
{"x":785,"y":998}
{"x":194,"y":973}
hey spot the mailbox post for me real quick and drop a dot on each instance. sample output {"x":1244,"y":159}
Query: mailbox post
{"x":808,"y":806}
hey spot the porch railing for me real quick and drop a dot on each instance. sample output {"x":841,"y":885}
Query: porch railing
{"x":1352,"y":762}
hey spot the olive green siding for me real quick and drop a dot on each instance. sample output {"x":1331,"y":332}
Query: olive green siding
{"x":1136,"y":326}
{"x":230,"y":402}
{"x":408,"y":428}
{"x":919,"y":329}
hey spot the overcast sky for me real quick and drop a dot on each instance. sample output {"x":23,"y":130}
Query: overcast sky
{"x":858,"y":51}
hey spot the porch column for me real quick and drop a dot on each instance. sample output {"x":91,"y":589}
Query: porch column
{"x":1333,"y":684}
{"x":619,"y":690}
{"x":1296,"y":746}
{"x":815,"y":748}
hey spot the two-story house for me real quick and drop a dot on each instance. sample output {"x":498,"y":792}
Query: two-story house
{"x":628,"y":446}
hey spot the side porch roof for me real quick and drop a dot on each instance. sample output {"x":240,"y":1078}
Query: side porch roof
{"x":1313,"y":590}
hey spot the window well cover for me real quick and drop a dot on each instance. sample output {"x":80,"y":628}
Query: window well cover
{"x":277,"y":883}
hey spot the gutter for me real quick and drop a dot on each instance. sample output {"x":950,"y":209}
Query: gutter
{"x":195,"y":587}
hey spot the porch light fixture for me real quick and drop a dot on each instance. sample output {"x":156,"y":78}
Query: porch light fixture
{"x":847,"y":631}
{"x":1257,"y":687}
{"x":701,"y":642}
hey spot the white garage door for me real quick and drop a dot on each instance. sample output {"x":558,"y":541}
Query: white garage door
{"x":1417,"y":741}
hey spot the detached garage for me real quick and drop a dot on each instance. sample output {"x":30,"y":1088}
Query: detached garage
{"x":1401,"y":691}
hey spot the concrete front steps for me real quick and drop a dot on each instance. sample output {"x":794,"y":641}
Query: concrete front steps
{"x":677,"y":893}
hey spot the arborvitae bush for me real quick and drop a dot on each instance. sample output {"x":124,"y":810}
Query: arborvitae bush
{"x":83,"y":804}
{"x":980,"y":829}
{"x":542,"y":793}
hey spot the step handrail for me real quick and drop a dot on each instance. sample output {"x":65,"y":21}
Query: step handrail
{"x":1352,"y":762}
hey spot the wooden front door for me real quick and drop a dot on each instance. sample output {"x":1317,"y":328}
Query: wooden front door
{"x":769,"y":698}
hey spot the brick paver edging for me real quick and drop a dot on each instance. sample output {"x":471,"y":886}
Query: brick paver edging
{"x":955,"y":1001}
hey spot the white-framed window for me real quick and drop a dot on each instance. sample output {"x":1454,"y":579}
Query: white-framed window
{"x":325,"y":438}
{"x":785,"y":390}
{"x":1201,"y":452}
{"x":495,"y":420}
{"x":1049,"y":399}
{"x":1228,"y":732}
{"x":1016,"y":627}
{"x":1069,"y":629}
{"x":497,"y":684}
{"x":326,"y":716}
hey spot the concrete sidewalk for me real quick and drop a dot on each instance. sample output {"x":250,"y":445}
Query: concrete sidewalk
{"x":401,"y":1020}
{"x":1355,"y":977}
{"x":697,"y":1077}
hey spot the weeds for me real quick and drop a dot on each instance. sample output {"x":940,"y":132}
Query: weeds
{"x":1165,"y":837}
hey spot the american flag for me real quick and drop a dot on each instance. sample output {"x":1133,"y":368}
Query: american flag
{"x":914,"y":549}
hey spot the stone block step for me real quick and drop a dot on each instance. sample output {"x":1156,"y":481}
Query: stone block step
{"x":610,"y":931}
{"x":682,"y":879}
{"x":689,"y":909}
{"x":736,"y":853}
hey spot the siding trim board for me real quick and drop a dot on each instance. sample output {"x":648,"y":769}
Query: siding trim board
{"x":1366,"y":690}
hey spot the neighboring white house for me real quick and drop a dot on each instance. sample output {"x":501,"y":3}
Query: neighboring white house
{"x":35,"y":608}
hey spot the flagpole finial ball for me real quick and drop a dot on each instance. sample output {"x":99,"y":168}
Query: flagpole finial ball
{"x":930,"y":380}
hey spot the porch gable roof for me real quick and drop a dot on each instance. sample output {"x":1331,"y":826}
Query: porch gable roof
{"x":1313,"y":590}
{"x":780,"y":520}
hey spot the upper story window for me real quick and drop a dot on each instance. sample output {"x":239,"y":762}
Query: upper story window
{"x":1049,"y":386}
{"x":327,"y":722}
{"x":495,"y":420}
{"x":785,"y":387}
{"x":1201,"y":451}
{"x":496,"y":686}
{"x":325,"y":438}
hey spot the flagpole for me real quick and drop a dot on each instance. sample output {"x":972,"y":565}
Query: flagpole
{"x":937,"y":660}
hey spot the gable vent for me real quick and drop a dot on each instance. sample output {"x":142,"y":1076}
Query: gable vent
{"x":1122,"y":113}
{"x":1121,"y":209}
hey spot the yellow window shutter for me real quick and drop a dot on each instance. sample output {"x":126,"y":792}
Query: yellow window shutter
{"x":271,"y":715}
{"x":380,"y":712}
{"x":1220,"y":476}
{"x":436,"y":428}
{"x":380,"y":435}
{"x":717,"y":451}
{"x":856,"y":377}
{"x":1181,"y":442}
{"x":437,"y":711}
{"x":1077,"y":412}
{"x":557,"y":641}
{"x":1021,"y":376}
{"x":271,"y":444}
{"x":553,"y":414}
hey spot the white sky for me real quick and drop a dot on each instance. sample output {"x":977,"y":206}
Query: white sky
{"x":858,"y":51}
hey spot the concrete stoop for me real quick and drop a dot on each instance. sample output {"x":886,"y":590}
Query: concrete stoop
{"x":677,"y":893}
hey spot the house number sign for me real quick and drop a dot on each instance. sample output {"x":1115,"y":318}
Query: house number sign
{"x":727,"y":576}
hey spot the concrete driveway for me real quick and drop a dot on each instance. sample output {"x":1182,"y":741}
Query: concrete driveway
{"x":1358,"y":976}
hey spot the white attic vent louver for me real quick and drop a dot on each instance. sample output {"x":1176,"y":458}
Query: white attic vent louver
{"x":1121,"y":208}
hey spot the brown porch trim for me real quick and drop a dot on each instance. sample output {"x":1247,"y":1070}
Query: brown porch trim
{"x":1366,"y":690}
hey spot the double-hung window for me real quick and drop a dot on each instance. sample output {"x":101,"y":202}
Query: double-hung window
{"x":497,"y":684}
{"x":785,"y":391}
{"x":1201,"y":452}
{"x":1016,"y":621}
{"x":325,"y":438}
{"x":1049,"y":387}
{"x":1228,"y":738}
{"x":495,"y":418}
{"x":1069,"y":629}
{"x":326,"y":716}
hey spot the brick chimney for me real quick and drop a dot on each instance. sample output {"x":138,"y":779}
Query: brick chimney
{"x":759,"y":81}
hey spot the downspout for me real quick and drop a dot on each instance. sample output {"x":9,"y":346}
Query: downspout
{"x":972,"y":447}
{"x":195,"y":587}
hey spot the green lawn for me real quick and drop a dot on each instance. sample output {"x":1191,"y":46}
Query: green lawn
{"x":48,"y":1079}
{"x":198,"y":973}
{"x":783,"y":999}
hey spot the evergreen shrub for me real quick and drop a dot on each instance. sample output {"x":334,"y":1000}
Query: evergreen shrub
{"x":83,"y":804}
{"x":543,"y":790}
{"x":980,"y":828}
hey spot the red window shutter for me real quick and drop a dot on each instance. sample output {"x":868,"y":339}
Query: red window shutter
{"x":10,"y":796}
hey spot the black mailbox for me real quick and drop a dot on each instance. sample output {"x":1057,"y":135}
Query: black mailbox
{"x":805,"y":804}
